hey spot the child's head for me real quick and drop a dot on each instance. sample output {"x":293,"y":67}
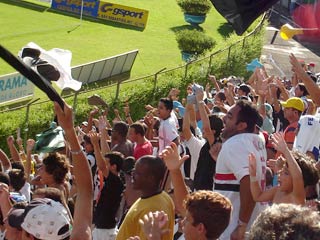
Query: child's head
{"x":310,"y":173}
{"x":285,"y":179}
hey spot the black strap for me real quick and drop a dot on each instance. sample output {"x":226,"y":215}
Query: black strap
{"x":227,"y":187}
{"x":177,"y":235}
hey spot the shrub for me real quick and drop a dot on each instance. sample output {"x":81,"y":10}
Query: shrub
{"x":195,"y":7}
{"x":194,"y":41}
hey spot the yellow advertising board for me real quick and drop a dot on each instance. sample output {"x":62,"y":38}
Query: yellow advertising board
{"x":123,"y":14}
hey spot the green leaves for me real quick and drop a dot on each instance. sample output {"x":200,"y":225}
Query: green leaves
{"x":195,"y":7}
{"x":194,"y":41}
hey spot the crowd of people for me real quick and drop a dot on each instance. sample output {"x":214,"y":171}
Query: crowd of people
{"x":229,"y":161}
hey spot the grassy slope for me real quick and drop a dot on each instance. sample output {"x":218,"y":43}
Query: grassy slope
{"x":92,"y":40}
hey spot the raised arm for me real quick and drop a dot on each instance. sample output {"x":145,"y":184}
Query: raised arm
{"x":117,"y":117}
{"x":102,"y":164}
{"x":273,"y":88}
{"x":149,"y":121}
{"x":104,"y":137}
{"x":284,"y":91}
{"x":13,"y":150}
{"x":5,"y":203}
{"x":186,"y":122}
{"x":30,"y":145}
{"x":204,"y":117}
{"x":311,"y":86}
{"x":173,"y":162}
{"x":81,"y":170}
{"x":213,"y":79}
{"x":126,"y":110}
{"x":93,"y":112}
{"x":257,"y":194}
{"x":5,"y":160}
{"x":295,"y":171}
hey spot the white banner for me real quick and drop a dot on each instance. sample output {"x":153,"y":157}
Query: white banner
{"x":14,"y":86}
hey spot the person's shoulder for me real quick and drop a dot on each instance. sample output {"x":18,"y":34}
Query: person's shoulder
{"x":241,"y":141}
{"x":147,"y":144}
{"x":115,"y":180}
{"x":195,"y":140}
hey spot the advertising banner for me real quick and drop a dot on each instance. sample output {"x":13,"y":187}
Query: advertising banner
{"x":14,"y":86}
{"x":90,"y":7}
{"x":123,"y":14}
{"x":104,"y":10}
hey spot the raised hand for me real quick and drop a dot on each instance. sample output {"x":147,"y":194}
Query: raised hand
{"x":4,"y":192}
{"x":94,"y":111}
{"x":126,"y":110}
{"x":212,"y":78}
{"x":65,"y":116}
{"x":19,"y":141}
{"x":199,"y":94}
{"x":171,"y":157}
{"x":30,"y":144}
{"x":95,"y":138}
{"x":278,"y":142}
{"x":148,"y":120}
{"x":105,"y":112}
{"x":153,"y":223}
{"x":148,"y":107}
{"x":10,"y":140}
{"x":102,"y":123}
{"x":296,"y":66}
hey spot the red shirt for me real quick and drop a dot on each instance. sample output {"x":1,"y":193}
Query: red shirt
{"x":289,"y":135}
{"x":142,"y":150}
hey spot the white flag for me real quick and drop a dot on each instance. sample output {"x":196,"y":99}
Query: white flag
{"x":60,"y":59}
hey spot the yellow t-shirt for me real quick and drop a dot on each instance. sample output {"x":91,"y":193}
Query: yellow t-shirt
{"x":131,"y":227}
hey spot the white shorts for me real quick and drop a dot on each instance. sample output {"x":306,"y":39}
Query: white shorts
{"x":104,"y":234}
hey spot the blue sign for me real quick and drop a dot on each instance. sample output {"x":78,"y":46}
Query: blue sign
{"x":90,"y":7}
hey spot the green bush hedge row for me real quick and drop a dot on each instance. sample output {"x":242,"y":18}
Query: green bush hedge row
{"x":138,"y":93}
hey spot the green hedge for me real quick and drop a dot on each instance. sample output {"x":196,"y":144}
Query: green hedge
{"x":139,"y":93}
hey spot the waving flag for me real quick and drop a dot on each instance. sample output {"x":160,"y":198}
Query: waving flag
{"x":29,"y":73}
{"x":53,"y":65}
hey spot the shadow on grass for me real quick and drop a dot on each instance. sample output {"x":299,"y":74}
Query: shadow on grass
{"x":97,"y":20}
{"x":28,"y":5}
{"x":39,"y":8}
{"x":186,"y":27}
{"x":225,"y":29}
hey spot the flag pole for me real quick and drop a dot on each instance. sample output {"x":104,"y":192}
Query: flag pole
{"x":81,"y":12}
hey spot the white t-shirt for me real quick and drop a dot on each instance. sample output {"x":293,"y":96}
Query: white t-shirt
{"x":194,"y":144}
{"x":232,"y":166}
{"x":308,"y":138}
{"x":167,"y":132}
{"x":26,"y":190}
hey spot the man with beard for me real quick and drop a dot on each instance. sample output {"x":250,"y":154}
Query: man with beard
{"x":232,"y":170}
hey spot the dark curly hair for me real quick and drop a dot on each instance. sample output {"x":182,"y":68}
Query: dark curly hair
{"x":57,"y":165}
{"x":309,"y":171}
{"x":17,"y":179}
{"x":286,"y":222}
